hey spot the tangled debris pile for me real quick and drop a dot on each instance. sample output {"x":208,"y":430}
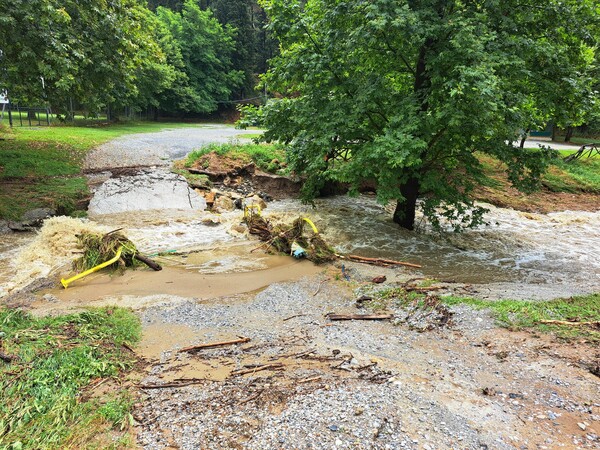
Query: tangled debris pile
{"x":291,"y":239}
{"x":98,"y":248}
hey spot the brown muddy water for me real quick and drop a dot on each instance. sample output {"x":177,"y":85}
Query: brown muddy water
{"x":204,"y":249}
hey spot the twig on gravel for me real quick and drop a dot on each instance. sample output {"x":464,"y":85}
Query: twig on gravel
{"x":294,"y":355}
{"x":257,"y":369}
{"x":241,"y":340}
{"x":360,"y":316}
{"x":309,"y":380}
{"x":252,"y":397}
{"x":320,"y":285}
{"x":368,"y":366}
{"x":292,"y":317}
{"x":180,"y":383}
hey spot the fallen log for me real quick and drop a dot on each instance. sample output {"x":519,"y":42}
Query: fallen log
{"x":566,"y":322}
{"x":378,"y":261}
{"x":152,"y":264}
{"x":257,"y":369}
{"x":360,"y":316}
{"x":192,"y":348}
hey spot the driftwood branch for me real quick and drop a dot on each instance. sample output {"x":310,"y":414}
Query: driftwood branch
{"x":378,"y":261}
{"x":180,"y":383}
{"x":360,"y":316}
{"x":575,"y":324}
{"x":150,"y":263}
{"x":192,"y":348}
{"x":257,"y":369}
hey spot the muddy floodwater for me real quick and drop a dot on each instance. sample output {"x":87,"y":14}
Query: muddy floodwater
{"x":549,"y":253}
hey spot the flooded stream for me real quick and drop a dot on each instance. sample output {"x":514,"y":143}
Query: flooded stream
{"x":534,"y":249}
{"x":156,"y":210}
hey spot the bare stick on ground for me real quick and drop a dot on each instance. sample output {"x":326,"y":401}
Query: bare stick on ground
{"x":257,"y":369}
{"x":378,"y":261}
{"x":360,"y":316}
{"x":180,"y":383}
{"x":192,"y":348}
{"x":574,"y":324}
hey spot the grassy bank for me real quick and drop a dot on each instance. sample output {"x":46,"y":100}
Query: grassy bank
{"x":47,"y":395}
{"x":41,"y":166}
{"x":267,"y":157}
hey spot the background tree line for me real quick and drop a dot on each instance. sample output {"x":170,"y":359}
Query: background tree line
{"x":182,"y":57}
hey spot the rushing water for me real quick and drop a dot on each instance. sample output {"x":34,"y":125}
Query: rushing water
{"x":534,"y":249}
{"x":518,"y":247}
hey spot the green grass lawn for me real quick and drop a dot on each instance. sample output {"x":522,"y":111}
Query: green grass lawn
{"x":528,"y":314}
{"x":41,"y":166}
{"x":45,"y":395}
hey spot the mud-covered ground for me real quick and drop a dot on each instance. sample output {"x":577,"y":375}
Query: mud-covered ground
{"x":298,"y":380}
{"x":319,"y":383}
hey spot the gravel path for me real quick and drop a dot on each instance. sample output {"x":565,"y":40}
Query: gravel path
{"x":157,"y":149}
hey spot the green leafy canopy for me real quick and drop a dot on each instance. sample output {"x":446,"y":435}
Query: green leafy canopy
{"x":405,"y":93}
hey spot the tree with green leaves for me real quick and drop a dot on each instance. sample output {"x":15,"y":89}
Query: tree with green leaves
{"x":96,"y":53}
{"x":406,"y":93}
{"x":200,"y":48}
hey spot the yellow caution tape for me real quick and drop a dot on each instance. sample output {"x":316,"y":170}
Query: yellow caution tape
{"x":66,"y":283}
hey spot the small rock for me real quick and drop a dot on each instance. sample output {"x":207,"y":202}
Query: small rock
{"x":379,"y":279}
{"x":358,"y":411}
{"x":581,"y":425}
{"x":224,"y":204}
{"x":50,"y":298}
{"x":333,"y":427}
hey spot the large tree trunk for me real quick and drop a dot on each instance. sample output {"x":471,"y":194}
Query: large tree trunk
{"x":404,"y":214}
{"x":569,"y":134}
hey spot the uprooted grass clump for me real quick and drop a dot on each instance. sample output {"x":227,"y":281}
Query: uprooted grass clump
{"x":48,"y":371}
{"x":281,"y":237}
{"x":98,"y":248}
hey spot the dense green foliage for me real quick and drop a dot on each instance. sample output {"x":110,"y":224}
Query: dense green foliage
{"x":41,"y":403}
{"x":405,"y":92}
{"x":254,"y":45}
{"x":120,"y":54}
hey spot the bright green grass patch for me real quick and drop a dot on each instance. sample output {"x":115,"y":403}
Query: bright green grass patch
{"x":63,"y":194}
{"x":41,"y":401}
{"x":85,"y":138}
{"x":520,"y":314}
{"x":582,"y":175}
{"x":268,"y":157}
